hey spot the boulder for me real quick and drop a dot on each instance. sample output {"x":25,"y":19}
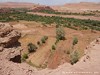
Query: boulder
{"x":5,"y":29}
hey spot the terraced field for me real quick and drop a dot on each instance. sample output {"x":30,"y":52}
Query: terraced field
{"x":44,"y":55}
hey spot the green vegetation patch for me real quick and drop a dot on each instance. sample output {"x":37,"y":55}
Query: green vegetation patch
{"x":60,"y":21}
{"x":67,"y":13}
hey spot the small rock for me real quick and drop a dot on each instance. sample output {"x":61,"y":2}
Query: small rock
{"x":1,"y":49}
{"x":98,"y":41}
{"x":12,"y":51}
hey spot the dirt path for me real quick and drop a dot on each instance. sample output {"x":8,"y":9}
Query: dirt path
{"x":68,"y":16}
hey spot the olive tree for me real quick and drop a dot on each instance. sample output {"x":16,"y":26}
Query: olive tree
{"x":74,"y":57}
{"x":60,"y":33}
{"x":31,"y":47}
{"x":75,"y":40}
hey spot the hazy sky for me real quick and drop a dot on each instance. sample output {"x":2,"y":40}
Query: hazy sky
{"x":50,"y":2}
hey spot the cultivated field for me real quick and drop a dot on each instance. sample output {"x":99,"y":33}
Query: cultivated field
{"x":44,"y":56}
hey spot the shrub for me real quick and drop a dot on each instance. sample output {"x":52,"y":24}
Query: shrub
{"x":24,"y":56}
{"x":75,"y":41}
{"x":56,"y":41}
{"x":74,"y":57}
{"x":38,"y":43}
{"x":68,"y":52}
{"x":60,"y":34}
{"x":31,"y":47}
{"x":53,"y":47}
{"x":43,"y":39}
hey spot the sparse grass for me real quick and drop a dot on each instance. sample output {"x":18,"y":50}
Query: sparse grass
{"x":31,"y":64}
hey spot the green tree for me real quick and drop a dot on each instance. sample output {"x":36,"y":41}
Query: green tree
{"x":43,"y":39}
{"x":60,"y":33}
{"x":31,"y":47}
{"x":75,"y":40}
{"x":74,"y":57}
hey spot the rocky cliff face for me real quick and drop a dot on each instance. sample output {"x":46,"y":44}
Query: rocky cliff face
{"x":10,"y":52}
{"x":9,"y":39}
{"x":8,"y":36}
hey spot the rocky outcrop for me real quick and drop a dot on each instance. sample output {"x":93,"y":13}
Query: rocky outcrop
{"x":10,"y":63}
{"x":8,"y":36}
{"x":43,"y":8}
{"x":9,"y":40}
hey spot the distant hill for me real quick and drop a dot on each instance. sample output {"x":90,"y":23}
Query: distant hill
{"x":72,"y":7}
{"x":82,"y":6}
{"x":17,"y":5}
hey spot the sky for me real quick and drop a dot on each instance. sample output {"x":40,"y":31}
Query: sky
{"x":50,"y":2}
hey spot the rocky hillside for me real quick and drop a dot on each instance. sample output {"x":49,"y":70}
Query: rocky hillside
{"x":42,"y":8}
{"x":78,"y":7}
